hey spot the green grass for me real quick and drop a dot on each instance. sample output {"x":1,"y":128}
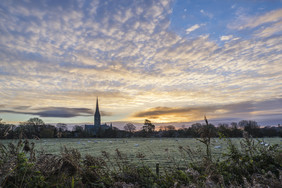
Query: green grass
{"x":164,"y":151}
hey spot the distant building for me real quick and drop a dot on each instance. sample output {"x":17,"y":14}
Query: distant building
{"x":97,"y":127}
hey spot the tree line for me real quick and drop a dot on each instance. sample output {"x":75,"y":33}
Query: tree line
{"x":223,"y":129}
{"x":35,"y":128}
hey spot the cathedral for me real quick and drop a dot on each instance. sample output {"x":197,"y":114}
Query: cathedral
{"x":97,"y":127}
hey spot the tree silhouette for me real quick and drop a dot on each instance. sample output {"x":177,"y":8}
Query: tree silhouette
{"x":35,"y":121}
{"x":129,"y":127}
{"x":148,"y":126}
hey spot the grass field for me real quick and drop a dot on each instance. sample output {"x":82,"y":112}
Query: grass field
{"x":156,"y":150}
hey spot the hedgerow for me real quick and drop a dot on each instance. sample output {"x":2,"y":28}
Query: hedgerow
{"x":248,"y":165}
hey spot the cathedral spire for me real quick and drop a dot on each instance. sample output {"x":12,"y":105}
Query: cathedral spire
{"x":97,"y":116}
{"x":97,"y":106}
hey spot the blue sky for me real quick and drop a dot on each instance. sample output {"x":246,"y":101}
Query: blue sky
{"x":217,"y":18}
{"x":167,"y":61}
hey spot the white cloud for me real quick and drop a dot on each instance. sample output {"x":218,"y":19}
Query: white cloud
{"x":270,"y":30}
{"x":245,"y":21}
{"x":131,"y":58}
{"x":226,"y":37}
{"x":193,"y":28}
{"x":269,"y":17}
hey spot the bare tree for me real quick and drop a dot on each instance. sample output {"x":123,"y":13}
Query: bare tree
{"x":35,"y":121}
{"x":33,"y":126}
{"x":129,"y":127}
{"x":234,"y":125}
{"x":61,"y":127}
{"x":169,"y":128}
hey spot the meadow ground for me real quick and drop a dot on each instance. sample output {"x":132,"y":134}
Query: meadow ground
{"x":164,"y":151}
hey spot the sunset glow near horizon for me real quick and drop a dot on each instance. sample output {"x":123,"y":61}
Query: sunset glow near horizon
{"x":166,"y":61}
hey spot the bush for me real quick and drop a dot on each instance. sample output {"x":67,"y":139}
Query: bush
{"x":251,"y":164}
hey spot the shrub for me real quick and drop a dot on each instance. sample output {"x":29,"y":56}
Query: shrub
{"x":250,"y":164}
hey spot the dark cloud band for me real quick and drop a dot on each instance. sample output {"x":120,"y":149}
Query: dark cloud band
{"x":242,"y":109}
{"x":57,"y":112}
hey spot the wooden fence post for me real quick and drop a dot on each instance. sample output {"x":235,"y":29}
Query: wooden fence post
{"x":158,"y":169}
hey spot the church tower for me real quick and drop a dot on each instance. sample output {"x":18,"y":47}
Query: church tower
{"x":97,"y":116}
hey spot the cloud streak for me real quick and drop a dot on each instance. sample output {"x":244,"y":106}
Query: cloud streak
{"x":269,"y":17}
{"x":241,"y":110}
{"x":193,"y":28}
{"x":227,"y":37}
{"x":55,"y":112}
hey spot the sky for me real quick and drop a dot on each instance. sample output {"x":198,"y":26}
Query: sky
{"x":169,"y":61}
